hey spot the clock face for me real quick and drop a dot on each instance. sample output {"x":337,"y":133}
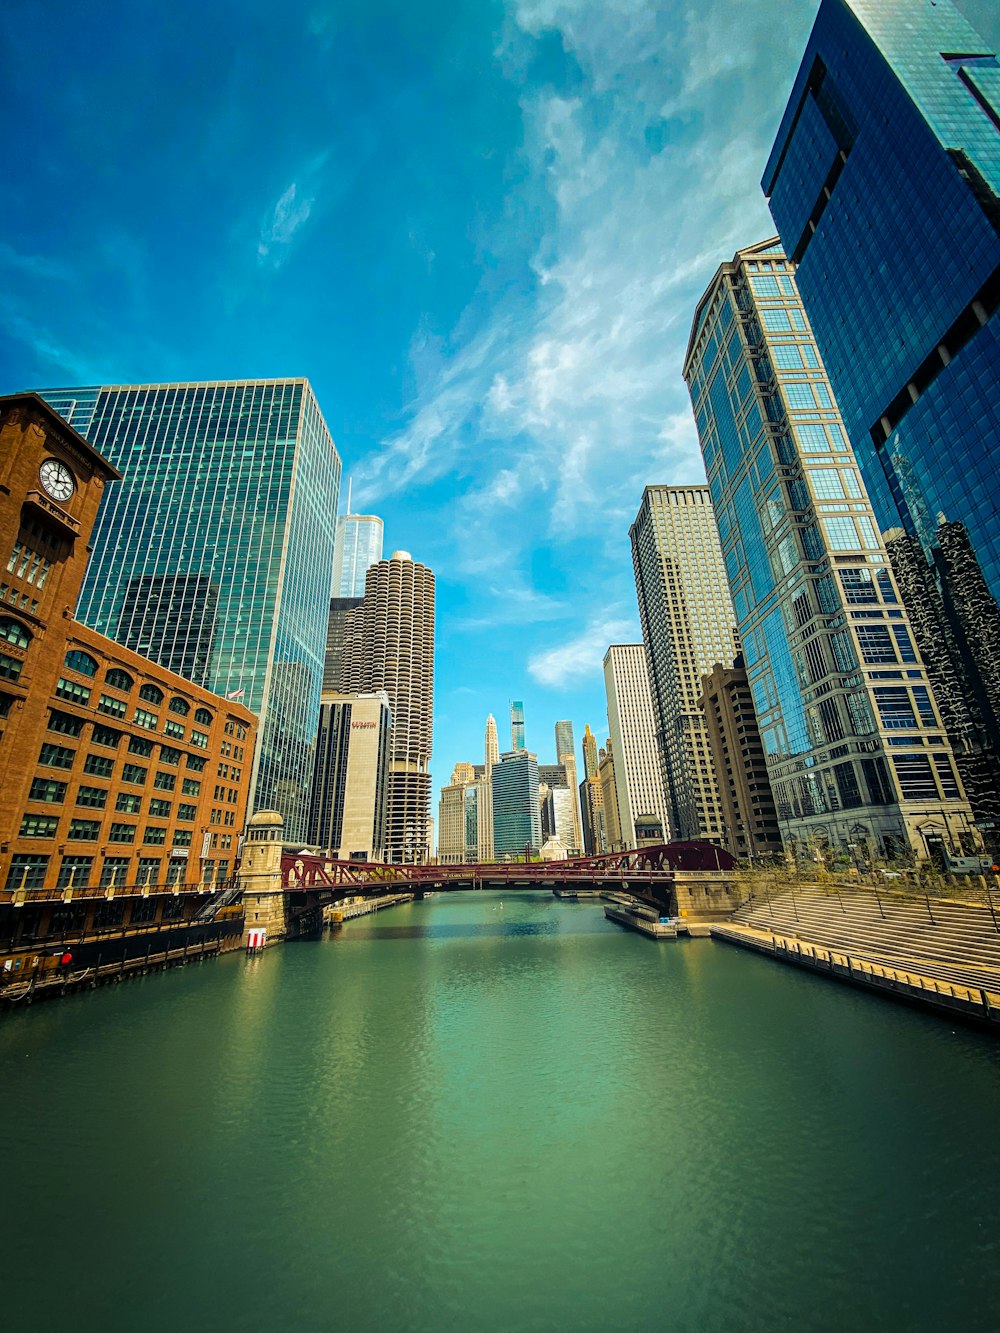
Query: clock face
{"x":56,"y":479}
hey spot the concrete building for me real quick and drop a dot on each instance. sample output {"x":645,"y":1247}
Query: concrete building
{"x":638,"y":771}
{"x":884,"y":182}
{"x":347,"y":811}
{"x":517,"y":824}
{"x":516,"y":725}
{"x":451,"y":823}
{"x":566,"y":755}
{"x":750,"y":821}
{"x":592,"y":808}
{"x":687,"y":625}
{"x":589,"y":753}
{"x":115,"y":774}
{"x":390,"y":647}
{"x":607,"y":778}
{"x":214,"y":554}
{"x":851,"y":731}
{"x":492,"y":745}
{"x":358,"y":546}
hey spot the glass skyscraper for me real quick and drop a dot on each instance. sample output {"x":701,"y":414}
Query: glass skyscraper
{"x":884,"y":183}
{"x":213,"y":556}
{"x":517,"y":819}
{"x":852,"y":735}
{"x":358,"y":547}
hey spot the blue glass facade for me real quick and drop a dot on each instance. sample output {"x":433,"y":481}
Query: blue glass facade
{"x":215,"y":552}
{"x":517,"y":819}
{"x":884,"y":183}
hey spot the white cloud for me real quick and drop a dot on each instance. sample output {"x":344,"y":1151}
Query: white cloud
{"x":285,"y":219}
{"x":579,"y":659}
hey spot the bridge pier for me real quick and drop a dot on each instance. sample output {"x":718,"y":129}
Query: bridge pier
{"x":260,"y":875}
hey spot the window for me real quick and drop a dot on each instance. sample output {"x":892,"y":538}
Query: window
{"x":27,"y":871}
{"x":139,"y":745}
{"x":922,"y":698}
{"x":159,"y":808}
{"x":151,"y":694}
{"x":907,"y":653}
{"x":65,"y":723}
{"x":175,"y":729}
{"x":149,"y":869}
{"x":10,"y":667}
{"x":875,"y":643}
{"x":114,"y":707}
{"x":894,"y":708}
{"x":180,"y":706}
{"x":200,"y":739}
{"x":114,"y":871}
{"x":84,"y":830}
{"x":74,"y":873}
{"x":191,"y":787}
{"x":182,"y":837}
{"x":826,"y":483}
{"x":203,"y":717}
{"x":69,"y":689}
{"x":14,"y":632}
{"x":121,"y":833}
{"x":135,"y":773}
{"x":98,"y":766}
{"x":106,"y":736}
{"x":27,"y":564}
{"x":194,"y":762}
{"x":143,"y":718}
{"x":109,"y":915}
{"x":164,"y":781}
{"x":156,"y":837}
{"x":916,"y":780}
{"x":168,"y":755}
{"x":56,"y":756}
{"x":129,"y":803}
{"x":186,"y":811}
{"x":119,"y":680}
{"x":39,"y":826}
{"x":946,"y":776}
{"x":47,"y":789}
{"x":81,"y":662}
{"x":840,"y":534}
{"x":95,"y":797}
{"x":859,"y":589}
{"x":175,"y":870}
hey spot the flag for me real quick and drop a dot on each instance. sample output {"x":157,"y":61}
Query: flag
{"x":235,"y":694}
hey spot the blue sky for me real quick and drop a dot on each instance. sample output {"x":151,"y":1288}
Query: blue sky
{"x":479,"y":228}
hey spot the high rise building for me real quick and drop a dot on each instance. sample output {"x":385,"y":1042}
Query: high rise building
{"x":215,"y":551}
{"x":638,"y":772}
{"x":492,"y":748}
{"x":589,"y":753}
{"x":851,"y":732}
{"x":566,"y":755}
{"x":347,"y":807}
{"x":358,"y":546}
{"x":391,"y":647}
{"x":750,"y":822}
{"x":687,"y":626}
{"x":517,"y":824}
{"x":883,"y":182}
{"x":338,"y":632}
{"x":592,"y":807}
{"x":608,"y":779}
{"x":455,"y":809}
{"x":516,"y":725}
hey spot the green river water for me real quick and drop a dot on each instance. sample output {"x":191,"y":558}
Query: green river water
{"x":495,"y":1113}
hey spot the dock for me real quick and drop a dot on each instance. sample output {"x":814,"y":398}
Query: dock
{"x":348,"y":911}
{"x":634,"y":919}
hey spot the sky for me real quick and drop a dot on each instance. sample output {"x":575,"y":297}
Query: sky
{"x":478,"y":227}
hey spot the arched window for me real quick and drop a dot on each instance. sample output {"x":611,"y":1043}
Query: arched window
{"x":180,"y":706}
{"x":203,"y":716}
{"x":14,"y":632}
{"x":118,"y":679}
{"x":151,"y":694}
{"x":82,"y":662}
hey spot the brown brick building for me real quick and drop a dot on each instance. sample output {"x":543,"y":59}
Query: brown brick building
{"x":119,"y":780}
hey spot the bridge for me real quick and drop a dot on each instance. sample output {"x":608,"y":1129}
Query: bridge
{"x":311,"y":881}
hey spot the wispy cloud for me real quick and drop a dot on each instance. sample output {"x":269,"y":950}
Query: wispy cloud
{"x":580,"y":658}
{"x":293,"y":209}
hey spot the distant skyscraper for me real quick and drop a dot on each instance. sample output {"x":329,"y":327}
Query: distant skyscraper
{"x":852,"y":735}
{"x":358,"y":547}
{"x":687,"y":626}
{"x":492,"y":743}
{"x":566,"y":755}
{"x":338,"y":631}
{"x":347,"y":808}
{"x":589,"y":753}
{"x":391,"y":648}
{"x":884,"y":182}
{"x":592,"y":808}
{"x":517,"y":820}
{"x":564,"y":739}
{"x":215,"y":551}
{"x":638,"y":771}
{"x":608,"y":779}
{"x":517,"y":725}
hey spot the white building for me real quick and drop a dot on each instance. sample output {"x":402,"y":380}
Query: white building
{"x":642,"y":806}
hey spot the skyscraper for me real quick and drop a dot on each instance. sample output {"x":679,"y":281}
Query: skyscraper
{"x":347,"y":808}
{"x":516,"y":725}
{"x":358,"y":546}
{"x":884,"y":181}
{"x":638,"y":772}
{"x":213,"y":556}
{"x":517,"y":822}
{"x":492,"y":743}
{"x":687,"y":626}
{"x":565,"y":755}
{"x":589,"y":753}
{"x":390,"y":647}
{"x":608,"y":778}
{"x":851,"y":732}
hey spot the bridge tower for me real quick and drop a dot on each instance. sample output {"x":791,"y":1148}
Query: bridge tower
{"x":260,"y":875}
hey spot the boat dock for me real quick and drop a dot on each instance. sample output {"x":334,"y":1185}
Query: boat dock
{"x":641,"y":919}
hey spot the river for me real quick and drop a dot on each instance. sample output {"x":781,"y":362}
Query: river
{"x":495,"y":1112}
